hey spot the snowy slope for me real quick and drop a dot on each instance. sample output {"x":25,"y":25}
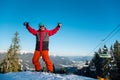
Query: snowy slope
{"x":40,"y":76}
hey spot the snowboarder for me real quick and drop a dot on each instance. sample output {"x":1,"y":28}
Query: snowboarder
{"x":42,"y":43}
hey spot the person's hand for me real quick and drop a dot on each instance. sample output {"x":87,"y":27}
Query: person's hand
{"x":26,"y":23}
{"x":60,"y":24}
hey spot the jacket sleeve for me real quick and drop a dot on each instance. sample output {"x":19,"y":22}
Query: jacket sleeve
{"x":52,"y":32}
{"x":31,"y":30}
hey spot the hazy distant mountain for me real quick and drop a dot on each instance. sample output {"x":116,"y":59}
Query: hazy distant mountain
{"x":58,"y":61}
{"x":80,"y":58}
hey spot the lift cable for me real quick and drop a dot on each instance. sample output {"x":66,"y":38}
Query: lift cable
{"x":108,"y":37}
{"x":112,"y":35}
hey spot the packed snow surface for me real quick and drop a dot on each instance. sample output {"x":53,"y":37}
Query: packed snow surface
{"x":28,"y":75}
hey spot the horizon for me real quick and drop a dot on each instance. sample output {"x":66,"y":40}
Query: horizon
{"x":28,"y":52}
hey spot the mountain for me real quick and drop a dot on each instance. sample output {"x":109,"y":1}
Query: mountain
{"x":80,"y":58}
{"x":58,"y":61}
{"x":62,"y":64}
{"x":28,"y":75}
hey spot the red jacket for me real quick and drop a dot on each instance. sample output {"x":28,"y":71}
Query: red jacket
{"x":42,"y":37}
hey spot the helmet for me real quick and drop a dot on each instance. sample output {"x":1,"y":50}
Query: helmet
{"x":41,"y":25}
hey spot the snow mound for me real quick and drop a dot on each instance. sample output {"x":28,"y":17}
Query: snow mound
{"x":40,"y":76}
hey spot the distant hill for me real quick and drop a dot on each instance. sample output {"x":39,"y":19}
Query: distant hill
{"x":58,"y":61}
{"x":80,"y":58}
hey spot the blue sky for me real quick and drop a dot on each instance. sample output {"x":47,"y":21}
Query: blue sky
{"x":85,"y":23}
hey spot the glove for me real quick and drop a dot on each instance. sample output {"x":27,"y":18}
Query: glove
{"x":60,"y":24}
{"x":26,"y":23}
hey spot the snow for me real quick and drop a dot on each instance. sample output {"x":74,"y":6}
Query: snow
{"x":28,"y":75}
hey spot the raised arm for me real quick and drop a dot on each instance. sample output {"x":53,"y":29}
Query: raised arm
{"x":52,"y":32}
{"x":31,"y":30}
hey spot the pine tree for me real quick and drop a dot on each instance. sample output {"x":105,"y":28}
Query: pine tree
{"x":117,"y":50}
{"x":11,"y":62}
{"x":117,"y":54}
